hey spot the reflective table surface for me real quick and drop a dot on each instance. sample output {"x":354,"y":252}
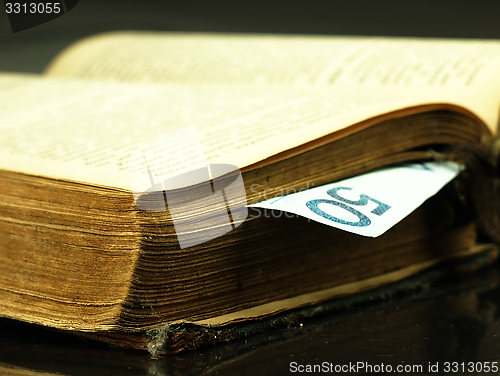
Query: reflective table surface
{"x":452,"y":326}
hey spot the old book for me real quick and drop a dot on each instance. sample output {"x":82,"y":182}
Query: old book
{"x":78,"y":253}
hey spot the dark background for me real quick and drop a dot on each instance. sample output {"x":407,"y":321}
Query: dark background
{"x":32,"y":49}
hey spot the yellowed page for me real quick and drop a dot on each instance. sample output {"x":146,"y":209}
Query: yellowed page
{"x":464,"y":71}
{"x":86,"y":131}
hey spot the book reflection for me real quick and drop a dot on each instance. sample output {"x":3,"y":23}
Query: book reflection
{"x":454,"y":321}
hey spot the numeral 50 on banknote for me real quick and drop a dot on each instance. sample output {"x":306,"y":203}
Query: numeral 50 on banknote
{"x":343,"y":203}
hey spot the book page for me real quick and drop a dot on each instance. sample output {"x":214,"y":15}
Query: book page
{"x":86,"y":131}
{"x":368,"y":66}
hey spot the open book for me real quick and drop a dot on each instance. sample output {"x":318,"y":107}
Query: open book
{"x":291,"y":112}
